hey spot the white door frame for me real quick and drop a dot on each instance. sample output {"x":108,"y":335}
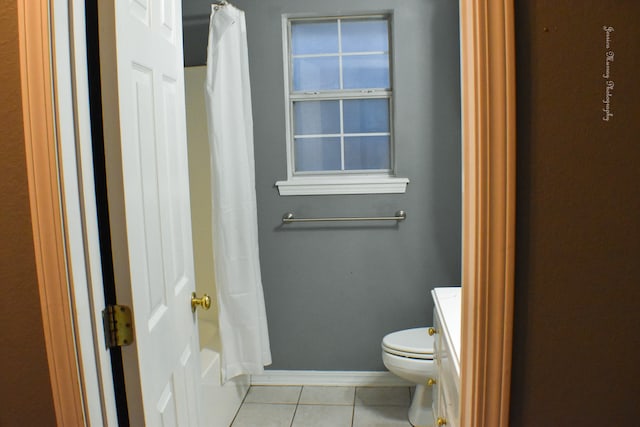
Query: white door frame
{"x":63,"y":209}
{"x":63,"y":212}
{"x":79,"y":206}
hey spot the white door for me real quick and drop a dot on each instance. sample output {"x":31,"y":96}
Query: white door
{"x":147,"y":180}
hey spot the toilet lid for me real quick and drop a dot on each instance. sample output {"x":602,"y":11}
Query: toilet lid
{"x":415,"y":343}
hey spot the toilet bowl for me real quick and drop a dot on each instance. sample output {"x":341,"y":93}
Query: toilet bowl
{"x":409,"y":355}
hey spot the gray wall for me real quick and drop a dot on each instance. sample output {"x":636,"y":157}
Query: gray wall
{"x":333,"y":291}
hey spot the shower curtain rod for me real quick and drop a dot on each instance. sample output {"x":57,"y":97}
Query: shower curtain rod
{"x":400,"y":216}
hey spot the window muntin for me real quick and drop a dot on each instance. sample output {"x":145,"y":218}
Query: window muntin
{"x":340,"y":96}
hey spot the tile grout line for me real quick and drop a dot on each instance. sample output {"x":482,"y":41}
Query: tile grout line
{"x":295,"y":411}
{"x":353,"y":408}
{"x":240,"y":407}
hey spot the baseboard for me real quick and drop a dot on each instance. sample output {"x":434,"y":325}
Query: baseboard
{"x":329,"y":378}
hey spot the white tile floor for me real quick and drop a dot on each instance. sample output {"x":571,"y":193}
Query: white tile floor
{"x":317,"y":406}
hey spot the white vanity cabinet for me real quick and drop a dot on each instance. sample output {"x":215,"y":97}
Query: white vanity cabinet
{"x":446,"y":331}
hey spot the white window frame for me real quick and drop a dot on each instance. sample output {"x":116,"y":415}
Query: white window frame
{"x":335,"y":182}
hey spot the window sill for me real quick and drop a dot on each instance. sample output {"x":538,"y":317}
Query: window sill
{"x":310,"y":186}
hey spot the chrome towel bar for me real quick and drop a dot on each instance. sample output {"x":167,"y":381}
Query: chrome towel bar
{"x":400,"y":216}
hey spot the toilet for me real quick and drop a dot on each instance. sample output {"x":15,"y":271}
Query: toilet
{"x":409,"y":355}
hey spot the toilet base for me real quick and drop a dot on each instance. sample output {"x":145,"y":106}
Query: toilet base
{"x":420,"y":411}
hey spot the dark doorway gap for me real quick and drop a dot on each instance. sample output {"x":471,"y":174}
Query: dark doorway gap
{"x":102,"y":203}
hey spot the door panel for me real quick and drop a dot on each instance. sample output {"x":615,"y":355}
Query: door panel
{"x":147,"y":178}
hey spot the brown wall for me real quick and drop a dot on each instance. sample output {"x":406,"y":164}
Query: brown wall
{"x":25,"y":389}
{"x":577,"y":324}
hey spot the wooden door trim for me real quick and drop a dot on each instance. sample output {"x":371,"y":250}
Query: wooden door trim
{"x":45,"y":197}
{"x":488,"y":79}
{"x":488,"y":109}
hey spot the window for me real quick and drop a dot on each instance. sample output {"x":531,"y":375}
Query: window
{"x":339,"y":115}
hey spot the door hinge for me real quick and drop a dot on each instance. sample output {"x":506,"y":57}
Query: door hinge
{"x":118,"y":326}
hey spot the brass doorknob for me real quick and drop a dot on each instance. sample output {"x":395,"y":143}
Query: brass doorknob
{"x":441,"y":421}
{"x":432,"y":331}
{"x":204,"y":302}
{"x":431,"y":382}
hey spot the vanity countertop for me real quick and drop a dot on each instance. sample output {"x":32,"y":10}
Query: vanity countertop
{"x":449,"y":304}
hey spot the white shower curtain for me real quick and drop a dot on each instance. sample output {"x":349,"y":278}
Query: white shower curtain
{"x":242,"y":317}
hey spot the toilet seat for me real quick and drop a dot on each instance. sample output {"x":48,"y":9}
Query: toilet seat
{"x":413,"y":343}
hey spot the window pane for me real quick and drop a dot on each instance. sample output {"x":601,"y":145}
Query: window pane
{"x":370,"y":35}
{"x":317,"y":154}
{"x":316,"y":117}
{"x":366,"y":115}
{"x":366,"y":71}
{"x":314,"y":37}
{"x":311,"y":74}
{"x":366,"y":152}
